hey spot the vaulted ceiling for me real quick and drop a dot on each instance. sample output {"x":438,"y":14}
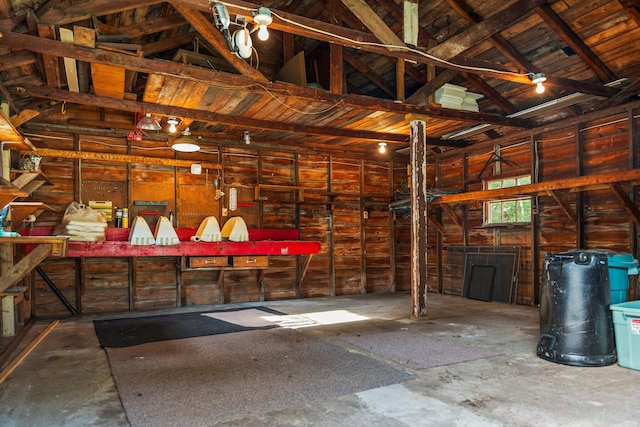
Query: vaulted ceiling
{"x":333,"y":75}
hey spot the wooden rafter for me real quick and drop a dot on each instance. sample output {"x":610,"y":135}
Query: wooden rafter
{"x":202,"y":74}
{"x":217,"y":40}
{"x":571,"y":38}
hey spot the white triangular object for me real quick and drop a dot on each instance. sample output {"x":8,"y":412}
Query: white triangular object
{"x":209,"y":231}
{"x":140,"y":233}
{"x":235,"y":229}
{"x":165,"y":233}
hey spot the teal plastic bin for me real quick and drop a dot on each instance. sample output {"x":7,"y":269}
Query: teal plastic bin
{"x":621,"y":266}
{"x":626,"y":325}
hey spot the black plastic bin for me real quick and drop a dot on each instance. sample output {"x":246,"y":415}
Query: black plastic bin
{"x":576,"y":326}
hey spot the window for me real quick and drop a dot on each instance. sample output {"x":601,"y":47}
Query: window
{"x":507,"y":211}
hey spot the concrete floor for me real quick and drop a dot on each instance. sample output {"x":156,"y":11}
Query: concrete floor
{"x":66,"y":380}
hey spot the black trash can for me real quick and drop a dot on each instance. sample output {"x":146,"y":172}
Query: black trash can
{"x":576,"y":326}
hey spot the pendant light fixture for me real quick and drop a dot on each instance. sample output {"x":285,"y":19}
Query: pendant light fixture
{"x":149,"y":123}
{"x":382,"y":147}
{"x":185,"y":143}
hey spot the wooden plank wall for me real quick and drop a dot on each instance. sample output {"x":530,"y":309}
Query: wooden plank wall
{"x":357,"y":253}
{"x":583,"y":147}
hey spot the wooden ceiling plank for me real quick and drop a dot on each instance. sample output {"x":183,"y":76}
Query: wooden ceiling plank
{"x":65,"y":14}
{"x":632,"y":9}
{"x":244,"y":83}
{"x":485,"y":29}
{"x":207,"y":116}
{"x":565,"y":32}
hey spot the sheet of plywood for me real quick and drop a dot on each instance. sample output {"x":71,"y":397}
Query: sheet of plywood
{"x":66,"y":36}
{"x":108,"y":80}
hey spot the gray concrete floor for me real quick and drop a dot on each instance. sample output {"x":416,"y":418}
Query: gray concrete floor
{"x":66,"y":380}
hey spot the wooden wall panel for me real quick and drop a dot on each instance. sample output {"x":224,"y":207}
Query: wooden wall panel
{"x":280,"y":280}
{"x":314,"y":226}
{"x":196,"y":199}
{"x":154,"y":282}
{"x":347,"y":248}
{"x":200,"y":287}
{"x":105,"y":284}
{"x":378,"y":249}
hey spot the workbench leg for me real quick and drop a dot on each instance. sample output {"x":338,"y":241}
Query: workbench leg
{"x":8,"y":317}
{"x":221,"y":285}
{"x":260,"y":284}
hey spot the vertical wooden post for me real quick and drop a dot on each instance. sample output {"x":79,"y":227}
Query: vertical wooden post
{"x":400,"y":87}
{"x":418,"y":219}
{"x":336,"y":73}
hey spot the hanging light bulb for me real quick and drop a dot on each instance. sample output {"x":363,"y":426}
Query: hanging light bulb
{"x":262,"y":19}
{"x":538,"y":79}
{"x":382,"y":147}
{"x":173,"y":124}
{"x":247,"y":137}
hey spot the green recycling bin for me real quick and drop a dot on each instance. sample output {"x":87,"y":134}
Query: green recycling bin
{"x":621,"y":266}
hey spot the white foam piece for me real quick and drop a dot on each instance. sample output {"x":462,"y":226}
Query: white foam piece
{"x":209,"y":231}
{"x":165,"y":234}
{"x":235,"y":229}
{"x":140,"y":233}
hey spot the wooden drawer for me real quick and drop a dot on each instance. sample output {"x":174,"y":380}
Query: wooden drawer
{"x":251,"y":261}
{"x":208,"y":261}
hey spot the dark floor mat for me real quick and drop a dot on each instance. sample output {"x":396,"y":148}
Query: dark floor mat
{"x":139,"y":330}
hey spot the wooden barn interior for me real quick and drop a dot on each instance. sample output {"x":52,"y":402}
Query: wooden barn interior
{"x":417,"y":158}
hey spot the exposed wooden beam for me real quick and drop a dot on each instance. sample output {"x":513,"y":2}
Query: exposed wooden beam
{"x":217,"y":40}
{"x":564,"y":206}
{"x":175,"y":69}
{"x":351,"y":38}
{"x":490,"y":93}
{"x":627,"y":203}
{"x":121,"y":158}
{"x":208,"y":116}
{"x":565,"y":32}
{"x":375,"y":78}
{"x":485,"y":29}
{"x":507,"y":50}
{"x":541,"y":188}
{"x":65,"y":14}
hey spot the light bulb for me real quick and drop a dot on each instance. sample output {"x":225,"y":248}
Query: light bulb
{"x":263,"y":33}
{"x":539,"y":88}
{"x":173,"y":124}
{"x":382,"y":147}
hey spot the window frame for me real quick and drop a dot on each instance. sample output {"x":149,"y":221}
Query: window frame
{"x":488,"y":205}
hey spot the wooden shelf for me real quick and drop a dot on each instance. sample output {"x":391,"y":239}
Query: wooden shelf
{"x":58,"y":244}
{"x":29,"y":181}
{"x":21,"y":210}
{"x":10,"y":135}
{"x":8,"y":193}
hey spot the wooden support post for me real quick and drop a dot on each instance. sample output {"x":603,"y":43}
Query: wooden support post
{"x":418,"y":220}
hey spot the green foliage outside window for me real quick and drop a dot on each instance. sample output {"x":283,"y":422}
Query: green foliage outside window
{"x":508,"y":211}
